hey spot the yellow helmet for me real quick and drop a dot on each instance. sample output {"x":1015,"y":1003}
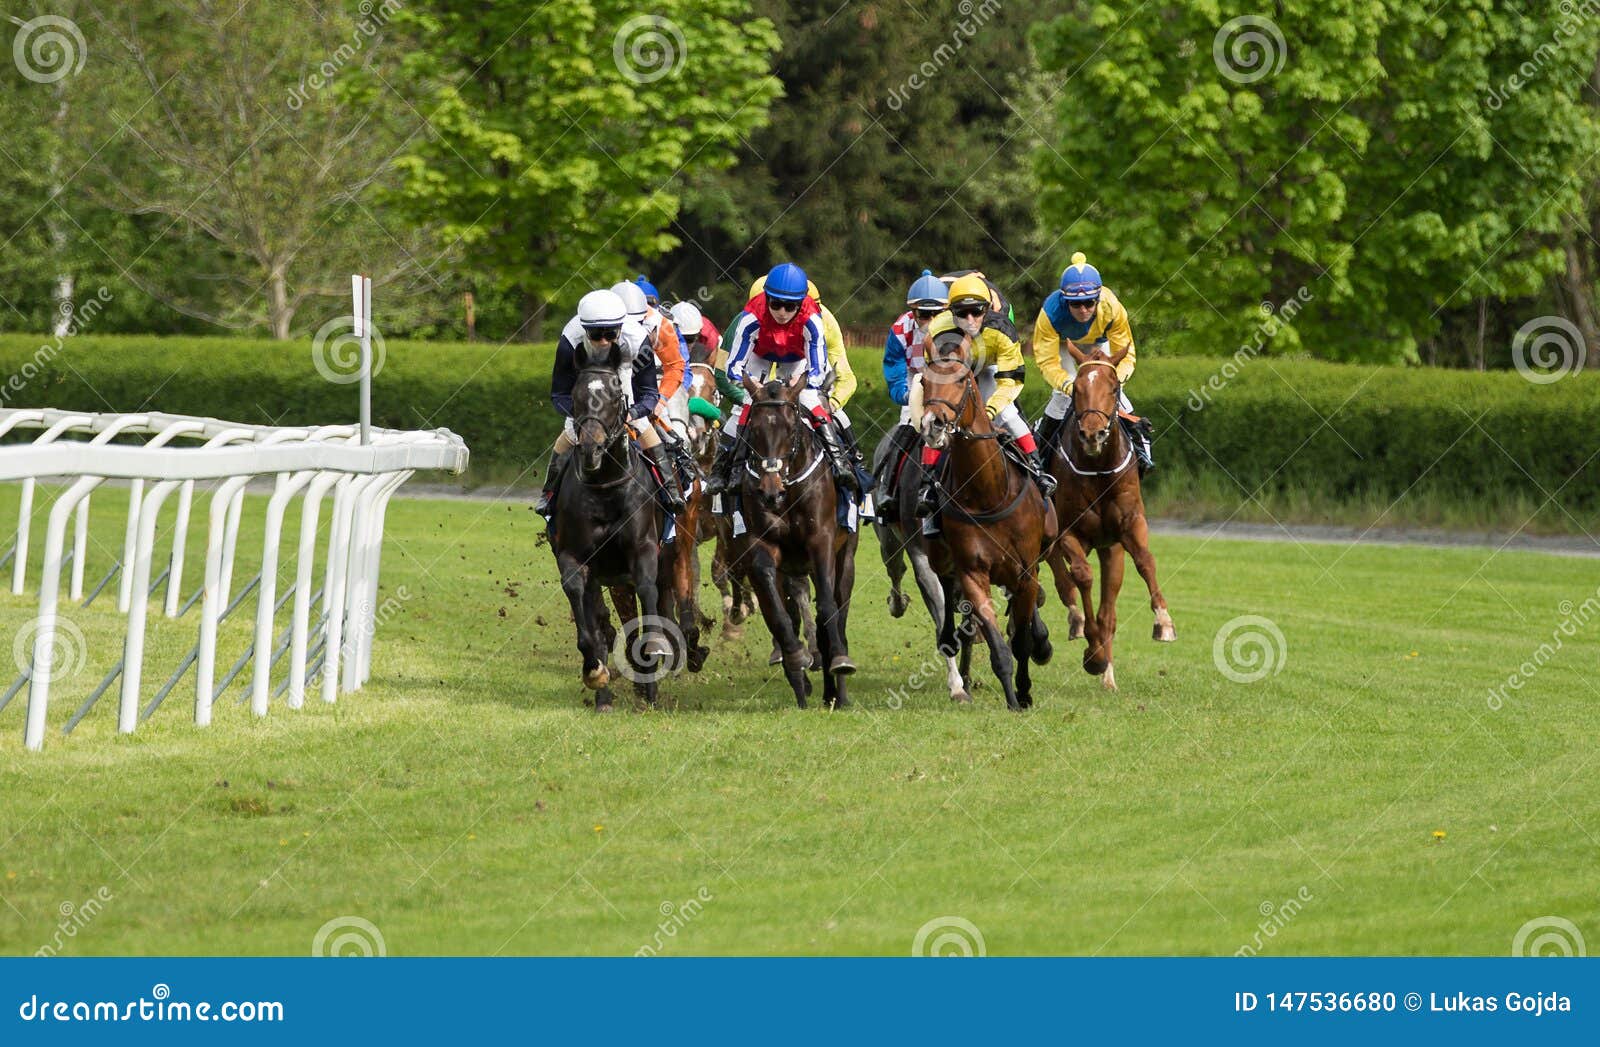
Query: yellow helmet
{"x":761,"y":285}
{"x":970,"y":288}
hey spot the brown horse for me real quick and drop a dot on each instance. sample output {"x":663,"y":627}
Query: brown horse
{"x":996,"y":528}
{"x":1100,"y":506}
{"x":790,"y":508}
{"x":738,"y":598}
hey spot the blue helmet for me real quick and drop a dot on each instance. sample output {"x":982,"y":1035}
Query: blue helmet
{"x":928,"y":290}
{"x":651,"y":295}
{"x":787,"y":282}
{"x":1080,"y":281}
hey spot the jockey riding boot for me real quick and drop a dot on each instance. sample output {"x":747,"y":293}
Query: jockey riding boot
{"x":721,"y":477}
{"x":864,"y":479}
{"x":839,"y":459}
{"x":1049,"y":430}
{"x":545,"y":506}
{"x":928,"y":492}
{"x":661,"y":458}
{"x":1035,"y":463}
{"x":1139,"y":435}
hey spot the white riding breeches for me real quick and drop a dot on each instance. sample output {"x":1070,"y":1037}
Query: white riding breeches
{"x":763,"y":369}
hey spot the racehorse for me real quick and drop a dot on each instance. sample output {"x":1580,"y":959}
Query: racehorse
{"x":900,"y":541}
{"x":606,"y":532}
{"x":790,"y":510}
{"x":997,"y":526}
{"x":738,"y":599}
{"x":1100,"y":506}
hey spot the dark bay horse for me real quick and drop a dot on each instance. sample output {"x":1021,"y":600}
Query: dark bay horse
{"x":606,"y":532}
{"x":790,"y":510}
{"x":997,"y":527}
{"x":1101,"y":507}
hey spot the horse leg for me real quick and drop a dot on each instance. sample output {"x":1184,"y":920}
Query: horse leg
{"x":1137,"y":542}
{"x":685,"y":558}
{"x":576,"y":583}
{"x":1111,"y":566}
{"x":655,"y":651}
{"x":1066,"y":588}
{"x":843,"y":586}
{"x":933,"y":598}
{"x":1041,"y":650}
{"x":1024,"y":616}
{"x":894,"y":562}
{"x":1077,"y":570}
{"x":976,"y":589}
{"x":831,"y":656}
{"x":769,"y":594}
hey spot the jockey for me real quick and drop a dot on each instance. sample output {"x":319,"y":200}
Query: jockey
{"x":672,"y":410}
{"x":1085,"y":311}
{"x":902,"y":363}
{"x":782,"y":329}
{"x":603,"y":322}
{"x":972,"y":329}
{"x":697,"y":329}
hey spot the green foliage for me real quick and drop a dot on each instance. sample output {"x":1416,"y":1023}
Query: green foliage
{"x":558,"y":132}
{"x":1372,"y":154}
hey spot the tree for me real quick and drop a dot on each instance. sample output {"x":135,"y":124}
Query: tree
{"x":1349,"y":150}
{"x":560,"y":132}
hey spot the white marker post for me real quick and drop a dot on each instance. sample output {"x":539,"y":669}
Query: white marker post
{"x":361,"y":292}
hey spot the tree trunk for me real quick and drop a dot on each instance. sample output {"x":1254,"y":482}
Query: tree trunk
{"x":1577,"y":283}
{"x":533,"y":308}
{"x":279,"y":313}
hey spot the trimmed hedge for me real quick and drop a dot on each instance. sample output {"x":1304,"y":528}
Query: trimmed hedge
{"x":1276,"y":425}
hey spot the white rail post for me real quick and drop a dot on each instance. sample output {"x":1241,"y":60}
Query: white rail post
{"x":211,"y":605}
{"x":138,"y":604}
{"x":43,"y":663}
{"x":310,"y":510}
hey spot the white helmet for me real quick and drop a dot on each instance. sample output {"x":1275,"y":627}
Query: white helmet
{"x":602,"y":309}
{"x":633,"y":298}
{"x":687,"y":316}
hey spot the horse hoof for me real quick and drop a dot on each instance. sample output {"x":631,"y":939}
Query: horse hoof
{"x":1108,"y":679}
{"x":697,"y":658}
{"x":602,"y":703}
{"x":1094,"y":666}
{"x":813,"y":660}
{"x":1164,"y":632}
{"x":775,"y":657}
{"x":898,"y":602}
{"x":842,"y":665}
{"x":961,"y":698}
{"x":732,"y":633}
{"x":1042,"y":653}
{"x":597,"y":678}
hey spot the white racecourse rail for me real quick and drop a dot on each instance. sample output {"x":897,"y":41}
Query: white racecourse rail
{"x":302,"y":461}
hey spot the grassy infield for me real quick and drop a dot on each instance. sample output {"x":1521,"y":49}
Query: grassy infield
{"x":1364,"y":799}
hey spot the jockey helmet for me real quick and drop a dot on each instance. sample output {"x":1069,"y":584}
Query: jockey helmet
{"x":928,"y":291}
{"x":633,"y":298}
{"x":787,"y":283}
{"x":1080,"y":281}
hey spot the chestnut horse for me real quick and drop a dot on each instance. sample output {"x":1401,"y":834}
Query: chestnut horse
{"x":996,"y":528}
{"x":790,"y":510}
{"x":1100,"y":506}
{"x":738,"y":599}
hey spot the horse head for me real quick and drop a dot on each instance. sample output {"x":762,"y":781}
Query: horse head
{"x":950,"y":399}
{"x":775,"y":433}
{"x":600,"y":416}
{"x":1095,"y":392}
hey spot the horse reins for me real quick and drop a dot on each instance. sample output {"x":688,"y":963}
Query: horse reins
{"x":1116,"y":396}
{"x":794,"y":445}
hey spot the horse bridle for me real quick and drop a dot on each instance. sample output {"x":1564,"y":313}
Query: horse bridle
{"x":969,"y":390}
{"x":1116,"y":399}
{"x":609,"y":434}
{"x":775,"y":466}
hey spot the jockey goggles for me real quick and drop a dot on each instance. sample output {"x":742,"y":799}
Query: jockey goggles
{"x":969,"y":311}
{"x":603,"y":334}
{"x":784,"y":305}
